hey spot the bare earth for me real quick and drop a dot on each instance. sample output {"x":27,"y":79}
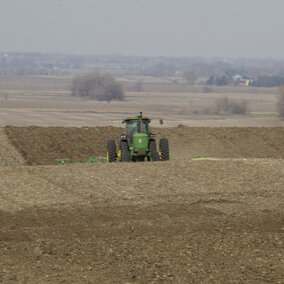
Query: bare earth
{"x":218,"y":219}
{"x":9,"y":155}
{"x":183,"y":221}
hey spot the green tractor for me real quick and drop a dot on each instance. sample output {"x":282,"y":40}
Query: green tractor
{"x":138,"y":143}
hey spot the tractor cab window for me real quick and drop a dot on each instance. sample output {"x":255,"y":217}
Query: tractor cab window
{"x":132,"y":127}
{"x":145,"y":127}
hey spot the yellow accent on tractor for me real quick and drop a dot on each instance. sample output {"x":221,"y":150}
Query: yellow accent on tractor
{"x":119,"y":155}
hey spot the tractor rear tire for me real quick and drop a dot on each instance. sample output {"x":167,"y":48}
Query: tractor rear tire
{"x":153,"y":151}
{"x":111,"y":150}
{"x":125,"y":153}
{"x":152,"y":146}
{"x":164,"y":149}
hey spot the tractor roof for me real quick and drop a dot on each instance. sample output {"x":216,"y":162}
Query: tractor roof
{"x":136,"y":118}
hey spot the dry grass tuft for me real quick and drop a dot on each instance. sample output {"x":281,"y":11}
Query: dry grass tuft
{"x":280,"y":103}
{"x":231,"y":106}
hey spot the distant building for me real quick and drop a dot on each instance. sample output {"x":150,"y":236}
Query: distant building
{"x":239,"y":80}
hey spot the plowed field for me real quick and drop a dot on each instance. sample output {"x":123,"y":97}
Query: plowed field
{"x":182,"y":221}
{"x":43,"y":145}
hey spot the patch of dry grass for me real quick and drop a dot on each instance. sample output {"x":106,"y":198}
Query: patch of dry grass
{"x":231,"y":106}
{"x":280,"y":103}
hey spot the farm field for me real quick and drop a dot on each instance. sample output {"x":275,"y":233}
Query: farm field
{"x":26,"y":101}
{"x":214,"y":220}
{"x":141,"y":144}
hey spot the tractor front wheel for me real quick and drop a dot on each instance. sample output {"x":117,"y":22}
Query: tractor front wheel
{"x":111,"y":151}
{"x":155,"y":156}
{"x":164,"y":149}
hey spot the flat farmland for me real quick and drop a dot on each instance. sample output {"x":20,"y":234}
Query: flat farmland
{"x":44,"y":101}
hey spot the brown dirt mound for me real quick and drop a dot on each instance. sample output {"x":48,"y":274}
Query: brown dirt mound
{"x":9,"y":156}
{"x":227,"y":142}
{"x":43,"y":145}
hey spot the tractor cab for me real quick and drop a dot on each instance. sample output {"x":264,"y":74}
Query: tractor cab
{"x":134,"y":126}
{"x":137,"y":126}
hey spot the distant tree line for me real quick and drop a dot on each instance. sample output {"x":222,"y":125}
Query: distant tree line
{"x":262,"y":81}
{"x":23,"y":63}
{"x":160,"y":70}
{"x":268,"y":81}
{"x":219,"y":81}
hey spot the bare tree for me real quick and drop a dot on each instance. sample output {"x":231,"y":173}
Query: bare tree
{"x":101,"y":87}
{"x":191,"y":75}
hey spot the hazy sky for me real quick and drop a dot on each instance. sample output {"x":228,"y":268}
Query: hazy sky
{"x":207,"y":28}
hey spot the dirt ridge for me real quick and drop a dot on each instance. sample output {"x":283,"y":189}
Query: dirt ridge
{"x":9,"y":155}
{"x":43,"y":145}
